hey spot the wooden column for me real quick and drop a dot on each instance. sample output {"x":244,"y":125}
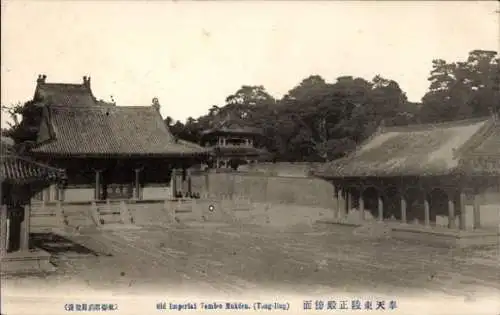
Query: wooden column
{"x":380,"y":208}
{"x":174,"y":183}
{"x":341,"y":204}
{"x":189,"y":182}
{"x":60,"y":189}
{"x":427,"y":211}
{"x":55,"y":189}
{"x":46,"y":194}
{"x":349,"y":200}
{"x":97,"y":187}
{"x":25,"y":230}
{"x":335,"y":201}
{"x":403,"y":208}
{"x":3,"y":230}
{"x":451,"y":212}
{"x":361,"y":206}
{"x":207,"y":184}
{"x":463,"y":216}
{"x":477,"y":211}
{"x":137,"y":184}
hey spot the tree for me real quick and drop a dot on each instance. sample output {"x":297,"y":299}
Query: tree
{"x":15,"y":114}
{"x":26,"y":121}
{"x":464,"y":89}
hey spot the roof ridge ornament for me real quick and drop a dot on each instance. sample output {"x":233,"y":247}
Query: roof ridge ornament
{"x":86,"y":81}
{"x":156,"y":104}
{"x":41,"y":79}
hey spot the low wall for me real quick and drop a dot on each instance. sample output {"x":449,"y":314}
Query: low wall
{"x":49,"y":216}
{"x":86,"y":194}
{"x":156,"y":192}
{"x":282,"y":169}
{"x":300,"y":191}
{"x":78,"y":194}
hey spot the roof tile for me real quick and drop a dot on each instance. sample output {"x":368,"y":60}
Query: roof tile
{"x":112,"y":130}
{"x":407,"y":151}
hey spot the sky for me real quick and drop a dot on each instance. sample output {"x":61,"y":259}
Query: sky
{"x":192,"y":55}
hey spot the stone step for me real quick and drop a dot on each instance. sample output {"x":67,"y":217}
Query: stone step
{"x":110,"y":220}
{"x":113,"y":212}
{"x":43,"y":214}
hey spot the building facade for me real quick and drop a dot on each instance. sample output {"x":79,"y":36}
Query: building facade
{"x":443,"y":175}
{"x":109,"y":152}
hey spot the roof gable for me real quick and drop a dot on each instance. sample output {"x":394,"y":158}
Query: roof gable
{"x":409,"y":151}
{"x":489,"y":144}
{"x":65,"y":94}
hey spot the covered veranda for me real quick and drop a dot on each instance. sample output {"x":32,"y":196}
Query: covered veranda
{"x":442,"y":178}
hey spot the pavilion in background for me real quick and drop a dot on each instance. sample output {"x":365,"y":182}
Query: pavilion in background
{"x":234,"y":145}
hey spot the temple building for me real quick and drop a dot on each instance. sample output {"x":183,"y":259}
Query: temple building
{"x":109,"y":152}
{"x":21,"y":178}
{"x":234,"y":145}
{"x":436,"y":176}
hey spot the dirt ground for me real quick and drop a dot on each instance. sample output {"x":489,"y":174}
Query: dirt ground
{"x":300,"y":257}
{"x":235,"y":258}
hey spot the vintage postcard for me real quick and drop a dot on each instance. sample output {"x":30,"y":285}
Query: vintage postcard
{"x":291,"y":157}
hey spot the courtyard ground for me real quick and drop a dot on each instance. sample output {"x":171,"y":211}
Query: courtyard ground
{"x":305,"y":259}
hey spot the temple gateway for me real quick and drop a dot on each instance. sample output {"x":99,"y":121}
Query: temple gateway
{"x":439,"y":176}
{"x":108,"y":151}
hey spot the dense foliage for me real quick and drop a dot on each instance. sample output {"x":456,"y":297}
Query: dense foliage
{"x":317,"y":120}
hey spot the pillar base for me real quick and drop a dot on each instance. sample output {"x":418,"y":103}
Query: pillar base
{"x":26,"y":262}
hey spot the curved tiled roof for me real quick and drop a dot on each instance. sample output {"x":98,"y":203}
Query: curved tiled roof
{"x":14,"y":168}
{"x":75,"y":123}
{"x":20,"y":169}
{"x":416,"y":150}
{"x":112,"y":130}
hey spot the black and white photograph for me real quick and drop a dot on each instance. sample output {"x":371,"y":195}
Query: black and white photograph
{"x":291,"y":157}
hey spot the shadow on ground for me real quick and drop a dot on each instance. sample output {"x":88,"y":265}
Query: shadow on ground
{"x":58,"y":245}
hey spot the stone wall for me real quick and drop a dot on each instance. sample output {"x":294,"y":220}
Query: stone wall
{"x":283,"y":169}
{"x":490,"y":209}
{"x":53,"y":215}
{"x":301,"y":191}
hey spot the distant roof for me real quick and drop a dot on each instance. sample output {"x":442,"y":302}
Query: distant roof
{"x":111,"y":130}
{"x":415,"y":150}
{"x":190,"y":144}
{"x":231,"y":127}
